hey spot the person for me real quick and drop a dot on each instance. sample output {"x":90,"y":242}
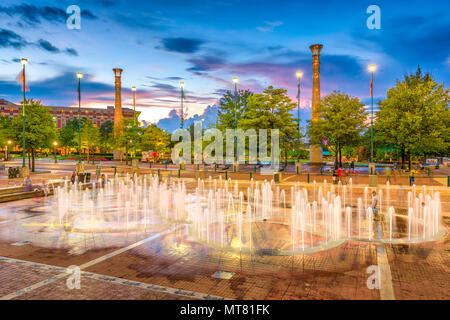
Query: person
{"x":73,"y":177}
{"x":27,"y":183}
{"x":334,"y":176}
{"x":375,"y":204}
{"x":412,"y":175}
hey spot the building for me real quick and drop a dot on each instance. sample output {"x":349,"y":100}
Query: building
{"x":62,"y":115}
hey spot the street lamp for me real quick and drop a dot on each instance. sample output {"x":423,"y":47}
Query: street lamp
{"x":79,"y":76}
{"x":235,"y":81}
{"x":134,"y":117}
{"x":372,"y":68}
{"x":299,"y":76}
{"x":24,"y":63}
{"x":182,"y":97}
{"x":54,"y":149}
{"x":6,"y":149}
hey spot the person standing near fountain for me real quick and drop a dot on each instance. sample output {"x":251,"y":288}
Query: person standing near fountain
{"x":375,"y":205}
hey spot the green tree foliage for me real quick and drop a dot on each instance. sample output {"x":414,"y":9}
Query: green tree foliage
{"x":272,"y":109}
{"x":68,"y":135}
{"x":40,"y":128}
{"x":341,"y":123}
{"x":155,"y":139}
{"x":126,"y":139}
{"x":5,"y":130}
{"x":90,"y":136}
{"x":231,"y":107}
{"x":107,"y":135}
{"x":415,"y":116}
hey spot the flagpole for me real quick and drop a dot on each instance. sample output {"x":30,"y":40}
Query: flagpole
{"x":24,"y":62}
{"x":371,"y":118}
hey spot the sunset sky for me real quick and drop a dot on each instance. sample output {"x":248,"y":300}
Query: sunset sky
{"x":206,"y":43}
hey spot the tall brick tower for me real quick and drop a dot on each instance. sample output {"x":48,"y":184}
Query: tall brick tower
{"x":315,"y":154}
{"x":118,"y":116}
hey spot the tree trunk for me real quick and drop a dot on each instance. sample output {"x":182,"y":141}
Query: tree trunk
{"x":32,"y":160}
{"x":403,"y":157}
{"x":29,"y":160}
{"x":336,"y":157}
{"x":409,"y":159}
{"x":340,"y":156}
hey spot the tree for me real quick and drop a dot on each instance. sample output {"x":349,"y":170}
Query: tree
{"x":415,"y":116}
{"x":272,"y":109}
{"x":127,"y":136}
{"x":340,"y":125}
{"x":5,"y":130}
{"x":232,"y":108}
{"x":107,"y":135}
{"x":39,"y":127}
{"x":155,"y":139}
{"x":90,"y":136}
{"x":68,"y":135}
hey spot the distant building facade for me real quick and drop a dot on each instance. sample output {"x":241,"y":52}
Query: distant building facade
{"x":62,"y":115}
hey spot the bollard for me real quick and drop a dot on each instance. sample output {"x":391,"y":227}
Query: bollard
{"x":226,"y":175}
{"x":448,"y":181}
{"x":296,"y":169}
{"x":198,"y":167}
{"x":428,"y":171}
{"x":321,"y":171}
{"x":410,"y":181}
{"x":150,"y":164}
{"x":251,"y":175}
{"x":166,"y":164}
{"x":179,"y":173}
{"x":215,"y":167}
{"x":308,"y":176}
{"x":159,"y":173}
{"x":115,"y":170}
{"x":254,"y":168}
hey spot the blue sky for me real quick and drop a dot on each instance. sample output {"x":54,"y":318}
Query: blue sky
{"x":207,"y":43}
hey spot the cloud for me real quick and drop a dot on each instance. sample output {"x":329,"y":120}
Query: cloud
{"x":205,"y":63}
{"x":269,"y":26}
{"x":47,"y":46}
{"x":173,"y":120}
{"x":181,"y":45}
{"x":33,"y":15}
{"x":10,"y":39}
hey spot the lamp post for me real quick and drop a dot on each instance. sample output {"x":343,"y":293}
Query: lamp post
{"x":372,"y":68}
{"x":134,"y":117}
{"x":24,"y":62}
{"x":299,"y":76}
{"x":235,"y":81}
{"x":182,"y":111}
{"x":79,"y":76}
{"x":6,"y":149}
{"x":54,"y":150}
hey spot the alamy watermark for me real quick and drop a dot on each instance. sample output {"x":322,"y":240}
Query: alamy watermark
{"x":234,"y":142}
{"x":74,"y":280}
{"x":74,"y":20}
{"x":374,"y":20}
{"x":373,"y":282}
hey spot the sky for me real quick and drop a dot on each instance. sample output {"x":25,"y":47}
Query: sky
{"x":205,"y":44}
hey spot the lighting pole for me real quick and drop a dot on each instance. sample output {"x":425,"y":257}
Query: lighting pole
{"x":54,"y":149}
{"x":182,"y":111}
{"x":235,"y":81}
{"x":299,"y":76}
{"x":6,"y":149}
{"x":372,"y":68}
{"x":134,"y":117}
{"x":24,"y":62}
{"x":79,"y":76}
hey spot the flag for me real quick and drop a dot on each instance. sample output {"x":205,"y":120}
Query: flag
{"x":371,"y":87}
{"x":19,"y":80}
